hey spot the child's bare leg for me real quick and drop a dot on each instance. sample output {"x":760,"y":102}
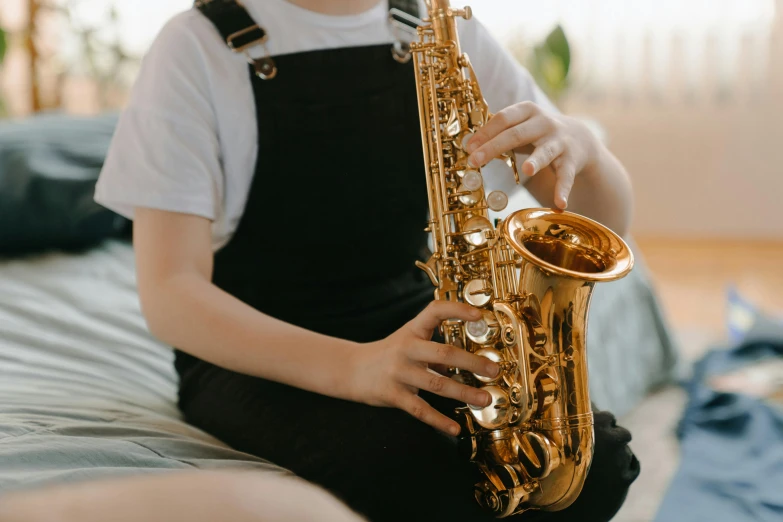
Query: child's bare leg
{"x":179,"y":496}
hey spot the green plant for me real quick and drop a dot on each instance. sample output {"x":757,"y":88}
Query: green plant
{"x":3,"y":49}
{"x":3,"y":44}
{"x":549,"y":62}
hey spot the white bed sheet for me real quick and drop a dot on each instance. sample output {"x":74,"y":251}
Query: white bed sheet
{"x":85,"y":391}
{"x":72,"y":332}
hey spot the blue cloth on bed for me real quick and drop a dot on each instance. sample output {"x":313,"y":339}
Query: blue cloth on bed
{"x":49,"y":164}
{"x":731,"y":443}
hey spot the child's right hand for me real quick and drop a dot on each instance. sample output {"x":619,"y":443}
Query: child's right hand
{"x":391,"y":372}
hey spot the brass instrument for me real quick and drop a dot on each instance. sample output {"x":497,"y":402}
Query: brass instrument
{"x":531,"y":274}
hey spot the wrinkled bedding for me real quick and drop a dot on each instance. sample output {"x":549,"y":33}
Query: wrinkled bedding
{"x":86,"y":392}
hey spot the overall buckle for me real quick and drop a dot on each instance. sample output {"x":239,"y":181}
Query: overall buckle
{"x":402,"y":23}
{"x":245,"y":39}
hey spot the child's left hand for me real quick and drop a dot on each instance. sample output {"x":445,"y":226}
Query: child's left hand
{"x":560,"y":141}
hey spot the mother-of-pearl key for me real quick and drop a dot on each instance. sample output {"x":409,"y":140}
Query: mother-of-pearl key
{"x":497,"y":200}
{"x":472,"y":180}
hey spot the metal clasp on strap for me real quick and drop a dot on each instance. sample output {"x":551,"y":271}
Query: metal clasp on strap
{"x":265,"y":67}
{"x":403,"y":23}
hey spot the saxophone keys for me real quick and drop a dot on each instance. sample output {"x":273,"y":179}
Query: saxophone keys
{"x":467,"y":443}
{"x":537,"y":454}
{"x":477,"y":117}
{"x":469,"y":197}
{"x":431,"y":269}
{"x":472,"y":179}
{"x":497,"y":200}
{"x":492,"y":355}
{"x":515,"y":394}
{"x":478,"y":293}
{"x":466,"y":13}
{"x":486,"y":495}
{"x":465,"y":138}
{"x":505,"y":490}
{"x":497,"y":413}
{"x":476,"y":229}
{"x":485,"y":331}
{"x":453,"y":125}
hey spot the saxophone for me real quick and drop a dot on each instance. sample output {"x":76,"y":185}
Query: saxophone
{"x":531,"y":274}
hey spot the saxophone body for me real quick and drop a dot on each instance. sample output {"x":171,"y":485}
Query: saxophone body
{"x":531,"y":274}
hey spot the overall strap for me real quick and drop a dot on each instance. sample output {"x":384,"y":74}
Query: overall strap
{"x":407,"y":6}
{"x":231,"y":18}
{"x":241,"y":32}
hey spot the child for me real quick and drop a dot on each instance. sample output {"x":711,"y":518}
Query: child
{"x":277,"y":215}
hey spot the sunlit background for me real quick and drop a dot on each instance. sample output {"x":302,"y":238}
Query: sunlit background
{"x":688,"y":93}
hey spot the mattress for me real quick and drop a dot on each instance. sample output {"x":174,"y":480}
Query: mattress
{"x":87,"y":392}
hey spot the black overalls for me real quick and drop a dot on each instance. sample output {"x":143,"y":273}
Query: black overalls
{"x":332,"y":226}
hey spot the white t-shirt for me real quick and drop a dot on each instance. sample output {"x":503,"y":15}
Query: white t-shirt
{"x":187,"y":141}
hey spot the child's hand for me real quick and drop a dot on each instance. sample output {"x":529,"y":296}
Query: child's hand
{"x":560,"y":141}
{"x":392,"y":371}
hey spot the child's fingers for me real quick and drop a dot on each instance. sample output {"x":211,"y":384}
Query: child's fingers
{"x":440,"y":385}
{"x":420,"y":409}
{"x":530,"y":131}
{"x":543,"y":156}
{"x":438,"y":311}
{"x":436,"y":353}
{"x":565,"y":171}
{"x":508,"y":117}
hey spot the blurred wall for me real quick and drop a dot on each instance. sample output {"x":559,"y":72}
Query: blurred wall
{"x":709,"y":162}
{"x":690,"y":94}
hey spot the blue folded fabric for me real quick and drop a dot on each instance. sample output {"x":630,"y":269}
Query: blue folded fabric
{"x":49,"y":165}
{"x":731,"y":466}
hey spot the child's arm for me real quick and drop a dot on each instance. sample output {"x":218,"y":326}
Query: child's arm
{"x":183,"y":308}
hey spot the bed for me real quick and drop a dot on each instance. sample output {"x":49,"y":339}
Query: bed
{"x":86,"y":392}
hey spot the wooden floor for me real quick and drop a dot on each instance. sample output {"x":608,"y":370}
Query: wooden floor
{"x":692,"y":277}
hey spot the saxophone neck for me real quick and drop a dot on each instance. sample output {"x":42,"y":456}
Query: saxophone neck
{"x":444,"y":21}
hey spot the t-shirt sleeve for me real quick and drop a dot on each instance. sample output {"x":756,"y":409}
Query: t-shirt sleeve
{"x":165,"y":152}
{"x":504,"y":81}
